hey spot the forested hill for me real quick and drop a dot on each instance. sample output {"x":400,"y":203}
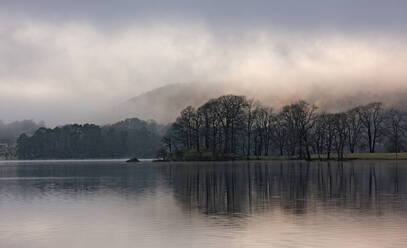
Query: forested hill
{"x":131,"y":137}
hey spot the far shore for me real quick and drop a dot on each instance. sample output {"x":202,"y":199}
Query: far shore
{"x":333,"y":157}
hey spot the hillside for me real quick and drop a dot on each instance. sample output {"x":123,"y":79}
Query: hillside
{"x":163,"y":104}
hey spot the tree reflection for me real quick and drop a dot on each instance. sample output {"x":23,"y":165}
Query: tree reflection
{"x":297,"y":187}
{"x":223,"y":188}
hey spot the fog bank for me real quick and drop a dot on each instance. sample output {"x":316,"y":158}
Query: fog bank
{"x":73,"y":71}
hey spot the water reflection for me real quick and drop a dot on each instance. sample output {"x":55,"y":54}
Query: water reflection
{"x":295,"y":187}
{"x":33,"y":180}
{"x":223,"y":188}
{"x":239,"y":204}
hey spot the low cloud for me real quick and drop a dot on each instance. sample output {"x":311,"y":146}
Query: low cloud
{"x":67,"y":72}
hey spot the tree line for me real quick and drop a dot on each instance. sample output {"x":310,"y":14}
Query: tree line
{"x":233,"y":125}
{"x":132,"y":137}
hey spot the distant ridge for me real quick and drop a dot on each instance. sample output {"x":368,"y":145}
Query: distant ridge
{"x":163,"y":104}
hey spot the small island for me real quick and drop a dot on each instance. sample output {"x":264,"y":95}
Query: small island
{"x":233,"y":127}
{"x":133,"y":160}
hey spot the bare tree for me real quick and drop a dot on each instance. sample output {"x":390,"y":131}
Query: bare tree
{"x":288,"y":118}
{"x":184,"y":126}
{"x":340,"y":132}
{"x":197,"y":120}
{"x":169,"y":140}
{"x":262,"y":121}
{"x":372,"y":118}
{"x":230,"y":111}
{"x":249,"y":125}
{"x":279,"y":132}
{"x":396,"y":127}
{"x":354,"y":128}
{"x":319,"y":135}
{"x":329,"y":121}
{"x":301,"y":116}
{"x":210,"y":113}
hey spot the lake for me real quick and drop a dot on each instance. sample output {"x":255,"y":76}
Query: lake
{"x":203,"y":204}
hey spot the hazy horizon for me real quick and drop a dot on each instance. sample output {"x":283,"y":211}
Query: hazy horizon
{"x":65,"y":62}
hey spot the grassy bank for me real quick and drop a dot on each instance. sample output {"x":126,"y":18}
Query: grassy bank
{"x":377,"y":156}
{"x":355,"y":156}
{"x":207,"y":156}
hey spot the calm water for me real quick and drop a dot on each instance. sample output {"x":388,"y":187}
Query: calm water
{"x":268,"y":204}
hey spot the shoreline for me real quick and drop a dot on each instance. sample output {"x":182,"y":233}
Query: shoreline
{"x":348,"y":157}
{"x":322,"y":158}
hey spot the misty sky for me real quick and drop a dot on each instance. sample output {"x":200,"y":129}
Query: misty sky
{"x":64,"y":61}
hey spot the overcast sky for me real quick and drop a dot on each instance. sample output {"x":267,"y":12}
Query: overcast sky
{"x":61,"y":61}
